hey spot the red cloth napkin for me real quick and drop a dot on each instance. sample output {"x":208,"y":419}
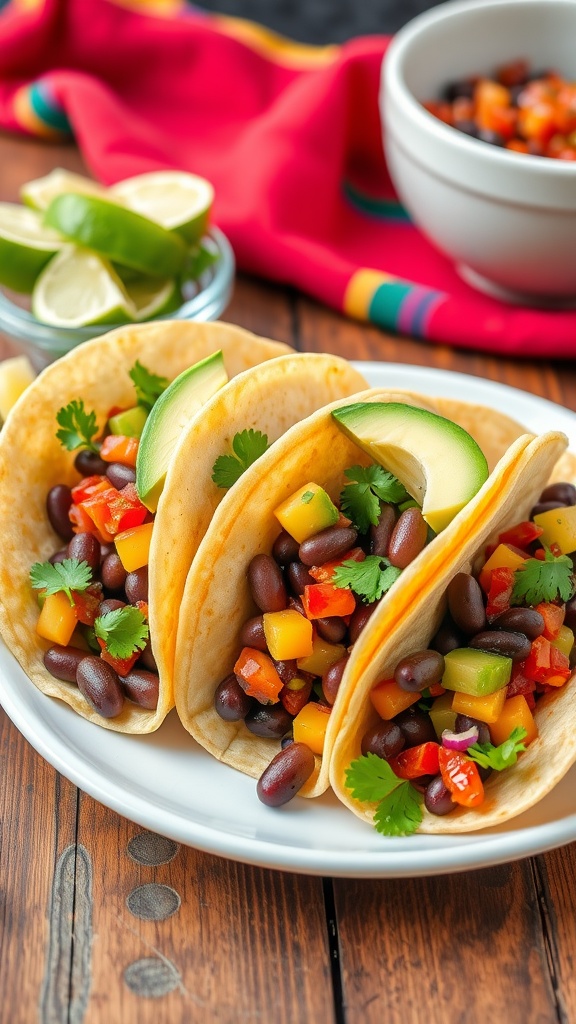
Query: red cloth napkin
{"x":288,"y":134}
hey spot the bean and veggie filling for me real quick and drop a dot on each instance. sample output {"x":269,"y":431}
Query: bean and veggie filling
{"x":326,"y":574}
{"x":455,"y":713}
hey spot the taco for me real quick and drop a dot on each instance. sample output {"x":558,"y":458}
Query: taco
{"x":463,"y":712}
{"x":263,"y":640}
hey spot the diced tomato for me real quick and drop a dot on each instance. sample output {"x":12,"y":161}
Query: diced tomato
{"x":114,"y":411}
{"x":88,"y":486}
{"x":537,"y":664}
{"x":521,"y":535}
{"x":559,"y":664}
{"x":81,"y":523}
{"x":520,"y":684}
{"x":294,"y":700}
{"x":324,"y":573}
{"x":322,"y":600}
{"x":97,"y":508}
{"x":126,"y":510}
{"x":553,"y":615}
{"x":87,"y":603}
{"x":416,"y":761}
{"x":142,"y":606}
{"x":342,"y":520}
{"x":540,"y":554}
{"x":118,"y":448}
{"x":436,"y":690}
{"x":461,"y":777}
{"x":500,"y":591}
{"x":120,"y":665}
{"x":257,"y":676}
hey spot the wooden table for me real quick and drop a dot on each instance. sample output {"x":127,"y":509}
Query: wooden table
{"x":236,"y":943}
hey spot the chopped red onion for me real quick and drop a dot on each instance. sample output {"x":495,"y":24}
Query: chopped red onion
{"x":460,"y":740}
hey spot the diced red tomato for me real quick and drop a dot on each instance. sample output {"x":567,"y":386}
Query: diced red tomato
{"x":416,"y":761}
{"x":118,"y":448}
{"x":97,"y":508}
{"x":142,"y":606}
{"x":500,"y":591}
{"x":120,"y":665}
{"x":257,"y":676}
{"x":436,"y":690}
{"x":540,"y":554}
{"x":294,"y":700}
{"x":87,"y":603}
{"x":520,"y":684}
{"x":88,"y":486}
{"x":537,"y":664}
{"x":553,"y":615}
{"x":324,"y":573}
{"x":81,"y":523}
{"x":461,"y":777}
{"x":322,"y":600}
{"x":521,"y":535}
{"x":126,"y":510}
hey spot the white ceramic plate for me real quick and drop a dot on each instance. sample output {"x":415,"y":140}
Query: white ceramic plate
{"x":166,"y":783}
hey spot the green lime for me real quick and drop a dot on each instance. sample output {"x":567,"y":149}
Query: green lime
{"x":26,"y":245}
{"x":117,"y":233}
{"x":78,"y":289}
{"x":39,"y":193}
{"x":151,"y":297}
{"x":178,"y":201}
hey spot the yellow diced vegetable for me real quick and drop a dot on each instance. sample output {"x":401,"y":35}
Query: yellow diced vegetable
{"x":310,"y":726}
{"x":58,"y":619}
{"x":307,"y":512}
{"x":564,"y":641}
{"x":485,"y":709}
{"x":133,"y":546}
{"x":514,"y":713}
{"x":442,"y":714}
{"x":389,"y":699}
{"x":502,"y":558}
{"x":559,"y":525}
{"x":288,"y":635}
{"x":322,"y":657}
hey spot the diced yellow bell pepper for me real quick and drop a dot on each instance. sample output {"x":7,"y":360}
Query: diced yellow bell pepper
{"x":310,"y":726}
{"x":307,"y":512}
{"x":288,"y":635}
{"x":502,"y":558}
{"x":485,"y":709}
{"x":58,"y":619}
{"x":559,"y":526}
{"x":322,"y":657}
{"x":133,"y":546}
{"x":389,"y":699}
{"x":515,"y":712}
{"x":564,"y":641}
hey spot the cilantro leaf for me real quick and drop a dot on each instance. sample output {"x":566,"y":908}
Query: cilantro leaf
{"x":123,"y":631}
{"x":68,"y":575}
{"x":149,"y":386}
{"x":498,"y":758}
{"x":78,"y":427}
{"x":248,"y":446}
{"x":536,"y":581}
{"x":370,"y":778}
{"x":369,"y":579}
{"x":360,"y":500}
{"x":400,"y":813}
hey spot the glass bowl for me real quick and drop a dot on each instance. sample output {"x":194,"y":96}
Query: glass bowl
{"x":43,"y":343}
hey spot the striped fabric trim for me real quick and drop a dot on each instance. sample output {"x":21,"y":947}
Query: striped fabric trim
{"x":154,"y":8}
{"x":37,"y":110}
{"x":380,"y":209}
{"x":394,"y":304}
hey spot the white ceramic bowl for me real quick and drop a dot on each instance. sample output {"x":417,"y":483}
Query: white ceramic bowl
{"x":507,"y":219}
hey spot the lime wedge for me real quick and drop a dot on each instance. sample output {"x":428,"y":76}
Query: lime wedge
{"x":26,"y":245}
{"x":15,"y":376}
{"x":117,"y":233}
{"x":178,"y":201}
{"x":78,"y":289}
{"x":39,"y":193}
{"x":151,"y":297}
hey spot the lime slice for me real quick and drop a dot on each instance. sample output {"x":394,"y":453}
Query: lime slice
{"x":117,"y":233}
{"x":26,"y":245}
{"x":178,"y":201}
{"x":39,"y":193}
{"x":15,"y":376}
{"x":78,"y":289}
{"x":151,"y":297}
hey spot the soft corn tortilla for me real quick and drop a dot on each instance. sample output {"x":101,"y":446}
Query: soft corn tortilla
{"x":217,"y":601}
{"x":32,"y":461}
{"x":549,"y":757}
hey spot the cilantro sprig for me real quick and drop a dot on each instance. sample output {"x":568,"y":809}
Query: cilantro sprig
{"x":537,"y":581}
{"x":369,"y":579}
{"x":77,"y":427}
{"x":501,"y":757}
{"x":66,"y":576}
{"x":248,"y":446}
{"x":124,"y":631}
{"x":149,"y":386}
{"x":360,"y":500}
{"x":399,"y":811}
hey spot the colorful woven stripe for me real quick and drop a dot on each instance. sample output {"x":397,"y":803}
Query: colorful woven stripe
{"x":393,"y":304}
{"x":381,"y":209}
{"x":38,"y":111}
{"x":156,"y":8}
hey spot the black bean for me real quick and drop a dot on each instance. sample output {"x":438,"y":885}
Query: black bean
{"x":85,"y":548}
{"x":509,"y":645}
{"x":136,"y":585}
{"x":437,"y":797}
{"x":544,"y":506}
{"x":448,"y":638}
{"x":570,"y":616}
{"x":271,"y":721}
{"x":230,"y":700}
{"x":266,"y":584}
{"x":327,"y":545}
{"x":380,"y":535}
{"x":466,"y":603}
{"x":113,"y":573}
{"x":111,"y":604}
{"x":120,"y":475}
{"x":105,"y":550}
{"x":464,"y":722}
{"x":416,"y":727}
{"x":252,"y":634}
{"x":147,"y":659}
{"x":333,"y":629}
{"x":384,"y":739}
{"x":296,"y":605}
{"x":101,"y":686}
{"x":464,"y":87}
{"x":299,"y":577}
{"x":563,"y":492}
{"x":520,"y":620}
{"x":58,"y":502}
{"x":285,"y":775}
{"x":408,"y":538}
{"x":90,"y":464}
{"x":142,"y":688}
{"x":285,"y":548}
{"x":359,"y":618}
{"x":416,"y":672}
{"x":332,"y":678}
{"x":62,"y":662}
{"x":58,"y":556}
{"x":287,"y":670}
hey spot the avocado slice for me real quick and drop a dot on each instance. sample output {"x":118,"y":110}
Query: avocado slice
{"x":438,"y":462}
{"x":478,"y":673}
{"x":172,"y":411}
